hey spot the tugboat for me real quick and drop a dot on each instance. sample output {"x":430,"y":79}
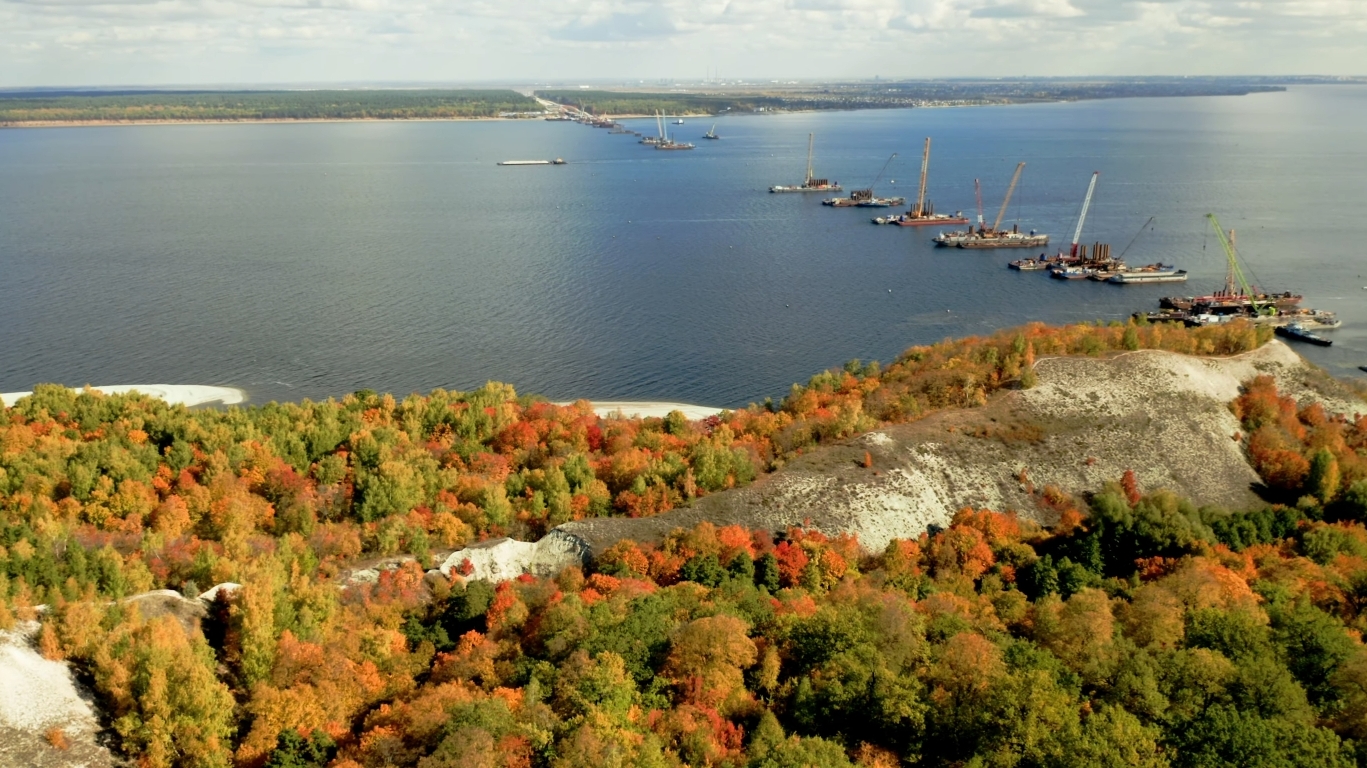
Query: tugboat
{"x":1071,"y":273}
{"x":1031,"y":264}
{"x":1297,"y":332}
{"x":811,"y":183}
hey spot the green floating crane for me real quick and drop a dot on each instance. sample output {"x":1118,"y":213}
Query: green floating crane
{"x":1236,"y":272}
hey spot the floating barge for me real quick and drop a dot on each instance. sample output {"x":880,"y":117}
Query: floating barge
{"x":923,"y":213}
{"x":984,"y":237}
{"x":1232,"y":298}
{"x":1153,"y":273}
{"x":906,"y":220}
{"x":557,"y":161}
{"x":1239,"y":300}
{"x":1013,"y":238}
{"x":864,"y":198}
{"x":811,"y":183}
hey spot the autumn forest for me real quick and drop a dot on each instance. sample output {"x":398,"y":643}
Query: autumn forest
{"x":1137,"y":629}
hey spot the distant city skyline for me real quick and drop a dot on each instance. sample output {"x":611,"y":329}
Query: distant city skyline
{"x":264,"y":42}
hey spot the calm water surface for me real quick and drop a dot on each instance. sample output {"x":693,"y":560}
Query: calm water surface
{"x":312,"y":260}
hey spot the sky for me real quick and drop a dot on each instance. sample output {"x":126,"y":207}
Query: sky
{"x":263,"y":42}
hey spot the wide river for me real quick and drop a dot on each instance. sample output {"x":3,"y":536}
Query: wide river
{"x":312,"y":260}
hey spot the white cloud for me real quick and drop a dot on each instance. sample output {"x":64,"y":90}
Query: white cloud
{"x":56,"y":42}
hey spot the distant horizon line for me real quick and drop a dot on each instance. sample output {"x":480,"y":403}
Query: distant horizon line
{"x":640,"y":82}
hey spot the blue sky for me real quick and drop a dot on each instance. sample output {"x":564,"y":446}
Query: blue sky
{"x":160,"y":42}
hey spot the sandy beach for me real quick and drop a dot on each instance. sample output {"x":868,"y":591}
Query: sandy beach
{"x":200,"y":394}
{"x":642,"y":409}
{"x":175,"y":394}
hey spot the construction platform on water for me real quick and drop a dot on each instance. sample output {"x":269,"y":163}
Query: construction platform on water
{"x":984,"y":237}
{"x":811,"y":183}
{"x":1240,"y":299}
{"x":864,"y":198}
{"x":922,"y":213}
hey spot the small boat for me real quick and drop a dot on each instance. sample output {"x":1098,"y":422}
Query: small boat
{"x":711,"y":133}
{"x":1309,"y":319}
{"x":557,"y":161}
{"x":1164,"y":316}
{"x":951,"y":238}
{"x":679,"y":121}
{"x":1030,"y":265}
{"x":1071,"y":273}
{"x":1297,"y":332}
{"x":881,"y":202}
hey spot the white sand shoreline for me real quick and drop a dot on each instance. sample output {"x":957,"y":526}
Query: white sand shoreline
{"x":175,"y":394}
{"x":645,"y":409}
{"x":201,"y":394}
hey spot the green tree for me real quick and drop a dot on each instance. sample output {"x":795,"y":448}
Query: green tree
{"x":1323,"y":480}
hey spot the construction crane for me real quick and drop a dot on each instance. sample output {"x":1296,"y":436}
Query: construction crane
{"x":978,"y":193}
{"x":1082,"y":217}
{"x":1236,"y":272}
{"x":882,"y":171}
{"x":996,"y":225}
{"x":1136,"y":237}
{"x":920,"y":208}
{"x":810,"y":138}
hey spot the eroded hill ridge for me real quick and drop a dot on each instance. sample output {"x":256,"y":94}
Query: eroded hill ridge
{"x":1162,"y":414}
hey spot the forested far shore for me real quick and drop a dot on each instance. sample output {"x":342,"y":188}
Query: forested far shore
{"x":890,"y":94}
{"x":41,"y":107}
{"x":191,"y":106}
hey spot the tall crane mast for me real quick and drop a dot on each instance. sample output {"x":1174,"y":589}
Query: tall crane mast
{"x":1082,"y":217}
{"x":920,"y":208}
{"x":1236,"y":272}
{"x":978,"y":193}
{"x":810,"y":138}
{"x":996,"y":225}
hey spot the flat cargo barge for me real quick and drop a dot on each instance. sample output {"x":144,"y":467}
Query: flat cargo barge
{"x":1005,"y":240}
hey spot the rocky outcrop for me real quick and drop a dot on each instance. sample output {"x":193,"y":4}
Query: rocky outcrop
{"x":41,"y":703}
{"x":503,"y":559}
{"x":1088,"y":420}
